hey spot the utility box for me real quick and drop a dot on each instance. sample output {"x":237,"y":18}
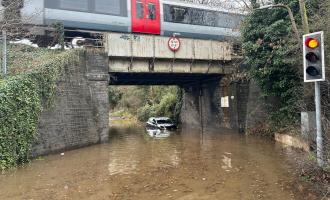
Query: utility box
{"x":308,"y":125}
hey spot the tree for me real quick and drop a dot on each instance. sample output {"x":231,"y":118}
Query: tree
{"x":11,"y":16}
{"x":232,"y":5}
{"x":271,"y":52}
{"x":13,"y":21}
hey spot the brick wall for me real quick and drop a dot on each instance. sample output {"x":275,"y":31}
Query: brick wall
{"x":79,"y":116}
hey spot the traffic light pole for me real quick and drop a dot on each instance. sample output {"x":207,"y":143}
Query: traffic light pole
{"x":319,"y":139}
{"x":314,"y":71}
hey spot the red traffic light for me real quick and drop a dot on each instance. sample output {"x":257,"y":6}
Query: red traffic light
{"x":312,"y":43}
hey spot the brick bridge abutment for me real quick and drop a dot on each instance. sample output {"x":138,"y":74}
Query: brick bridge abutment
{"x":223,"y":103}
{"x":79,"y":116}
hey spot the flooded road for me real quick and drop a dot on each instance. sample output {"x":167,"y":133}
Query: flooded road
{"x":185,"y":166}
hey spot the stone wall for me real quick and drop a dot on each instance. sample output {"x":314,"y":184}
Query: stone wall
{"x":256,"y":109}
{"x":79,"y":116}
{"x":201,"y":105}
{"x":190,"y":110}
{"x":234,"y":117}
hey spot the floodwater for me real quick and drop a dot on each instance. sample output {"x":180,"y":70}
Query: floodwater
{"x":187,"y":165}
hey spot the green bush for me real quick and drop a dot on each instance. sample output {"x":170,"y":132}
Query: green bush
{"x":163,"y":102}
{"x":22,"y":98}
{"x":166,"y":106}
{"x":145,"y":112}
{"x":114,"y":97}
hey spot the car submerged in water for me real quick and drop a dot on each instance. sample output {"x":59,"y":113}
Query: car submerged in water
{"x":160,"y":126}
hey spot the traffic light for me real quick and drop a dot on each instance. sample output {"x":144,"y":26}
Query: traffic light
{"x":314,"y":66}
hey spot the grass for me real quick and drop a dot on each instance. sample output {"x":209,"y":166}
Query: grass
{"x":122,"y":113}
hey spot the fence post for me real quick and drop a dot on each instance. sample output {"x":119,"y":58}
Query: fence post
{"x":4,"y":52}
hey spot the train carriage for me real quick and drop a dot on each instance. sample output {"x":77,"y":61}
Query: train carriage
{"x":159,"y":17}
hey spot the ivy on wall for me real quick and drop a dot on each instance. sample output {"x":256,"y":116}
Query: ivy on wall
{"x":22,"y":98}
{"x":271,"y":55}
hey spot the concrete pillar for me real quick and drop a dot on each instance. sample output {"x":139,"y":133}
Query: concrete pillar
{"x":201,"y":105}
{"x":190,"y":108}
{"x":98,"y":77}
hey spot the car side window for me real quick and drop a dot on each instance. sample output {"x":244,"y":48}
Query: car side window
{"x":154,"y":121}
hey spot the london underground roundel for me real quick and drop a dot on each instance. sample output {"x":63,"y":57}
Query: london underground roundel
{"x":174,"y":44}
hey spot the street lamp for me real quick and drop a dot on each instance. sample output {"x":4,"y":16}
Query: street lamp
{"x":293,"y":22}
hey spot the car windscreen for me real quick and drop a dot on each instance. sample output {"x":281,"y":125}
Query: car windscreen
{"x":164,"y":121}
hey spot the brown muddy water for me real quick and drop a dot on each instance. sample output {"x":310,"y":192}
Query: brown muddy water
{"x":187,"y":165}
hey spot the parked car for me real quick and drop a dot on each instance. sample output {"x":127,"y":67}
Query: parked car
{"x":159,"y":126}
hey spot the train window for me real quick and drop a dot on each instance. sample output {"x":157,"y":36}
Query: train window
{"x":152,"y":11}
{"x":139,"y":10}
{"x":176,"y":14}
{"x":180,"y":14}
{"x":203,"y":17}
{"x":195,"y":16}
{"x":226,"y":20}
{"x":81,"y":5}
{"x":111,"y":7}
{"x":108,"y":6}
{"x":210,"y":18}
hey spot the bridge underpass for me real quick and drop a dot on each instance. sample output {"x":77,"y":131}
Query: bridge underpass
{"x":179,"y":79}
{"x":197,"y":66}
{"x":80,"y":115}
{"x":201,"y":93}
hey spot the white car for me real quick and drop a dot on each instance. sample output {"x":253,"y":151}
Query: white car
{"x":159,"y":126}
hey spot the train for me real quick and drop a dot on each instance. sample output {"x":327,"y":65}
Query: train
{"x":157,"y":17}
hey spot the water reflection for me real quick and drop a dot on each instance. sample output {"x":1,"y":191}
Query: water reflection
{"x":158,"y":133}
{"x":226,"y":163}
{"x":137,"y":150}
{"x":187,"y":165}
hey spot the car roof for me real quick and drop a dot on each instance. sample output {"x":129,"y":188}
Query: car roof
{"x":162,"y":118}
{"x":158,"y":118}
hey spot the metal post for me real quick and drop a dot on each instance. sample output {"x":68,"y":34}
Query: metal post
{"x":201,"y":107}
{"x":4,"y":52}
{"x":319,"y":140}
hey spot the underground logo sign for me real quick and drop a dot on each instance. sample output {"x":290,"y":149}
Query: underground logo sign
{"x":174,"y":44}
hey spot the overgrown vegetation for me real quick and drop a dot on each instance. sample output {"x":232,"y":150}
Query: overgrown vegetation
{"x":23,"y":96}
{"x":321,"y":17}
{"x":275,"y":63}
{"x":59,"y":34}
{"x":271,"y":54}
{"x":12,"y":19}
{"x":146,"y":101}
{"x":23,"y":58}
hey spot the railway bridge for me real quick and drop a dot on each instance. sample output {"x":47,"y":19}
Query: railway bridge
{"x":136,"y":59}
{"x":80,"y":115}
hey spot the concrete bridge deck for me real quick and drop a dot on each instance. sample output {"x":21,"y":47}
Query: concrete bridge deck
{"x":136,"y":59}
